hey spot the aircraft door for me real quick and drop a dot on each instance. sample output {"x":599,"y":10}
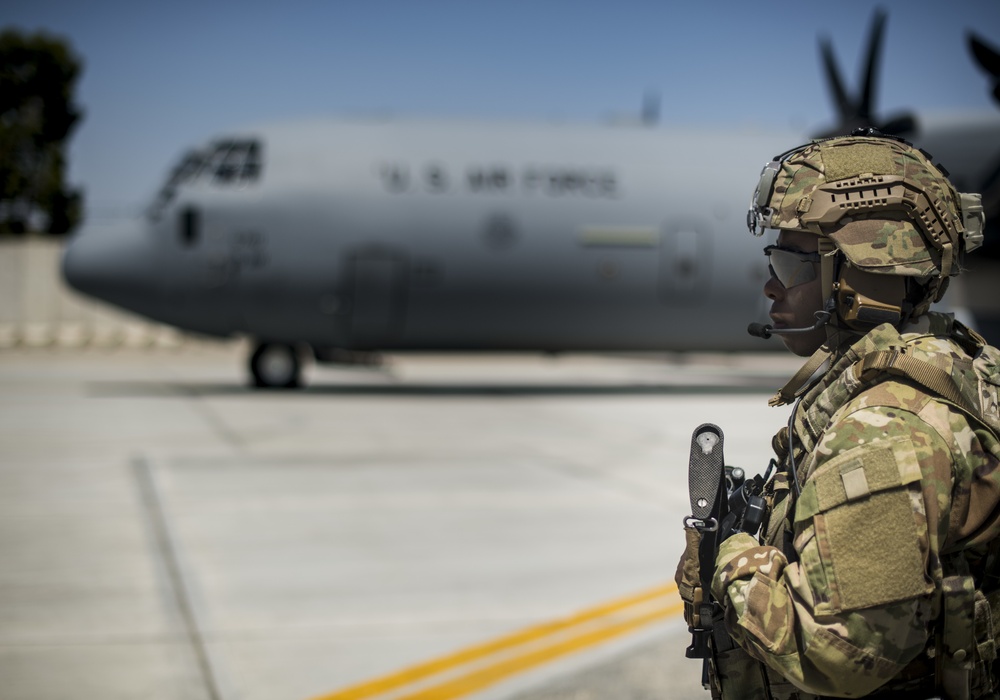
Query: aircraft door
{"x":377,"y":282}
{"x":684,"y":262}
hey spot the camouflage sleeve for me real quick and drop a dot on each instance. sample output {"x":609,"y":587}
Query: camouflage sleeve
{"x":855,"y":607}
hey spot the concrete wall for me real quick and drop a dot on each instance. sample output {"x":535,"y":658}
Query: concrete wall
{"x":37,"y":309}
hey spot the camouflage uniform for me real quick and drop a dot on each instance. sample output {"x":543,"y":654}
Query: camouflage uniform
{"x":900,"y":498}
{"x":880,"y":578}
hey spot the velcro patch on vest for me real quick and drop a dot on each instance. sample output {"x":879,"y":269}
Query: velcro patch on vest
{"x":870,"y":525}
{"x":858,"y":473}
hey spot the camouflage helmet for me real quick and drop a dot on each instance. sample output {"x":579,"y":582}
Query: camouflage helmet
{"x":881,"y":202}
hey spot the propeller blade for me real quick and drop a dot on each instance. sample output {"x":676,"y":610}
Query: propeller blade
{"x":985,"y":55}
{"x":865,"y":104}
{"x":989,"y":59}
{"x":854,"y":112}
{"x":843,"y":104}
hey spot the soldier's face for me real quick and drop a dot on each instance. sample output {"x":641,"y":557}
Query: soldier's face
{"x":796,"y":307}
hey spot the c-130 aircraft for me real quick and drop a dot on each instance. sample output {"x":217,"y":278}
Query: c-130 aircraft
{"x":344,"y":238}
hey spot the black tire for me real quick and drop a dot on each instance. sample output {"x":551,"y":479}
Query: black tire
{"x":276,"y":366}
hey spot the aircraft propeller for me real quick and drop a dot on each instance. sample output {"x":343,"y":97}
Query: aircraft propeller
{"x":988,"y":59}
{"x":855,"y":112}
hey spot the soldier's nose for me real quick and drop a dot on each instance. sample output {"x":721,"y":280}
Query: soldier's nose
{"x":773,"y":289}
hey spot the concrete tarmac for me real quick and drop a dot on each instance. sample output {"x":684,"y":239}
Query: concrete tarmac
{"x":168,"y":533}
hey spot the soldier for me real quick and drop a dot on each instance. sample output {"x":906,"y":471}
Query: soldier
{"x":877,"y":569}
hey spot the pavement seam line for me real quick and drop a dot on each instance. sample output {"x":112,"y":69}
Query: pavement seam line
{"x":469,"y":655}
{"x":150,"y":494}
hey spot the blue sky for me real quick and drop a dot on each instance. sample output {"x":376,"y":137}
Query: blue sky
{"x":161,"y":77}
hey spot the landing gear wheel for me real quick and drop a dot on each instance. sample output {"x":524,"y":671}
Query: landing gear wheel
{"x":275,"y":366}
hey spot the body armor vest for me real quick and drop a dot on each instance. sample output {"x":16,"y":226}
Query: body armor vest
{"x":960,"y":658}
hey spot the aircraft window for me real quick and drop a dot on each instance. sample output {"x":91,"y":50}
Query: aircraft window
{"x":251,"y":165}
{"x":236,"y":161}
{"x":190,"y":227}
{"x":189,"y":167}
{"x":228,"y":161}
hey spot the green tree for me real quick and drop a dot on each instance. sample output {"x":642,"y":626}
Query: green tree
{"x":37,"y":76}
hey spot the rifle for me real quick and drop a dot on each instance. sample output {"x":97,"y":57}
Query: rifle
{"x":723,"y":503}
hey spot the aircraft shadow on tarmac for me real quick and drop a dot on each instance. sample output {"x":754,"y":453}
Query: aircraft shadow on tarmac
{"x":126,"y":388}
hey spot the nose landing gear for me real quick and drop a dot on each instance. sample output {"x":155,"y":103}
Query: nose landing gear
{"x":276,"y":366}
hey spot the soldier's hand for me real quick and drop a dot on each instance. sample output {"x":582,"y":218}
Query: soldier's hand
{"x":688,"y":576}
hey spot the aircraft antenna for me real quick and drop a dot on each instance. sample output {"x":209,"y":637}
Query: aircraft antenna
{"x":651,"y":108}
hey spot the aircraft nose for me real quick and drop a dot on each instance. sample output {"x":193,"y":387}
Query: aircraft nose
{"x":112,"y":263}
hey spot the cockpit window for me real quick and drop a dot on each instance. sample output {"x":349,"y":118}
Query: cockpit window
{"x":235,"y":161}
{"x":225,"y":162}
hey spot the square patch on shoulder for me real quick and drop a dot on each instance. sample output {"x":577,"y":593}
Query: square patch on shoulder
{"x":855,"y":483}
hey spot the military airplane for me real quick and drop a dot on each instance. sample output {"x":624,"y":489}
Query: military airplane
{"x":343,"y":238}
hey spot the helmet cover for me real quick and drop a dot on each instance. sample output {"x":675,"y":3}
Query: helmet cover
{"x":881,"y":201}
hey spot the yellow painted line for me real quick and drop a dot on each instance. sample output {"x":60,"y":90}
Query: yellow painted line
{"x":486,"y":677}
{"x":533,"y":635}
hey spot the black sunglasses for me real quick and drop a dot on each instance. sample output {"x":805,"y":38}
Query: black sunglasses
{"x":791,"y":267}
